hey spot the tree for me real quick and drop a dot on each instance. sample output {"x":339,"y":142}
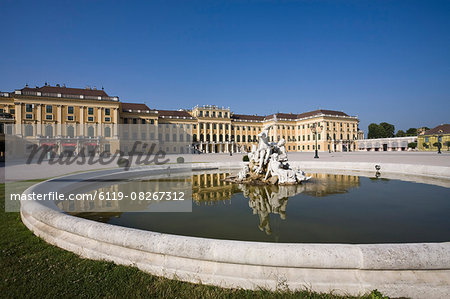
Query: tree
{"x":389,"y":129}
{"x":411,"y":132}
{"x":400,"y":133}
{"x":412,"y":145}
{"x":425,"y":145}
{"x":447,"y":144}
{"x":375,"y":131}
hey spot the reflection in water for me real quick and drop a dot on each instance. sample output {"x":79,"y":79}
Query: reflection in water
{"x":272,"y":199}
{"x":117,"y":197}
{"x":210,"y":189}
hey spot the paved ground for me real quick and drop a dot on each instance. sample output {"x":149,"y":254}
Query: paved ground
{"x":421,"y":158}
{"x":17,"y":171}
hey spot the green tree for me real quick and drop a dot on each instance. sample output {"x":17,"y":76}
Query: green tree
{"x":425,"y":145}
{"x":400,"y":133}
{"x":412,"y":145}
{"x":447,"y":144}
{"x":389,"y":129}
{"x":411,"y":132}
{"x":375,"y":131}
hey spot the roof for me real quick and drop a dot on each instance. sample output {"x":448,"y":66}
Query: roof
{"x":126,"y":107}
{"x":442,"y":129}
{"x":247,"y":117}
{"x":283,"y":116}
{"x":68,"y":90}
{"x":321,"y":111}
{"x":174,"y":113}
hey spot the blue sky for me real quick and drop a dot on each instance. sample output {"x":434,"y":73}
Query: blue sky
{"x":381,"y":60}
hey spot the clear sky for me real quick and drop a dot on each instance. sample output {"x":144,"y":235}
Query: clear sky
{"x":380,"y":60}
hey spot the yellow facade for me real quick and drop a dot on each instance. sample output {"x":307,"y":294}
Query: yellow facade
{"x":427,"y":141}
{"x":87,"y":117}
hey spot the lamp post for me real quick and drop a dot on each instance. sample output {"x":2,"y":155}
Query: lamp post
{"x":439,"y":139}
{"x":329,"y":144}
{"x":315,"y":129}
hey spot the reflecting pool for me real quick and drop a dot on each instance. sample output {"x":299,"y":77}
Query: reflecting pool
{"x":331,"y":208}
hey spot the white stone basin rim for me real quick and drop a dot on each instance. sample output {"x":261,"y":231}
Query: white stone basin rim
{"x":406,"y":269}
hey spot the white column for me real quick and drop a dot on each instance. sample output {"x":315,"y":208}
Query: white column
{"x":58,"y":120}
{"x":81,"y":133}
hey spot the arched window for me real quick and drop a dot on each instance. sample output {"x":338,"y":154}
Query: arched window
{"x":91,"y":131}
{"x":70,"y":131}
{"x":107,"y":132}
{"x":226,"y":137}
{"x":238,"y":138}
{"x":243,"y":138}
{"x":221,"y":138}
{"x":249,"y":138}
{"x":28,"y":130}
{"x":254,"y":138}
{"x":49,"y":131}
{"x":194,"y":137}
{"x":202,"y":138}
{"x":214,"y":137}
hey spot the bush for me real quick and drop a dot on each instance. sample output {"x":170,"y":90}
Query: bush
{"x":245,"y":158}
{"x":412,"y":144}
{"x":180,"y":160}
{"x":437,"y":144}
{"x":122,"y":162}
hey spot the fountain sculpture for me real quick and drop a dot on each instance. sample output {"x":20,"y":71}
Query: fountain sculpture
{"x":268,"y":164}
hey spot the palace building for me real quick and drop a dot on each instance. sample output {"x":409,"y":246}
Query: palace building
{"x":72,"y":119}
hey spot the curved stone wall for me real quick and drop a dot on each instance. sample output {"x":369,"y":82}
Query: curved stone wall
{"x":412,"y":270}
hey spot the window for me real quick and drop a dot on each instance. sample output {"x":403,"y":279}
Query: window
{"x":214,"y":126}
{"x":1,"y":110}
{"x":70,"y":117}
{"x":195,"y":126}
{"x":427,"y":139}
{"x":201,"y":113}
{"x":90,"y":111}
{"x":309,"y":137}
{"x":107,"y":148}
{"x":318,"y":137}
{"x":107,"y":119}
{"x":201,"y":126}
{"x":12,"y":111}
{"x":174,"y":137}
{"x":207,"y":126}
{"x":143,"y":121}
{"x":220,"y":114}
{"x":90,"y":131}
{"x":226,"y":114}
{"x":152,"y":136}
{"x":207,"y":113}
{"x":167,"y":137}
{"x":125,"y":120}
{"x":308,"y":147}
{"x":70,"y":131}
{"x":49,"y":117}
{"x":440,"y":139}
{"x":243,"y":138}
{"x":70,"y":110}
{"x":107,"y":111}
{"x":29,"y":116}
{"x":134,"y":120}
{"x":28,"y":108}
{"x":90,"y":118}
{"x":107,"y":132}
{"x":152,"y":121}
{"x":49,"y":131}
{"x":28,"y":130}
{"x":214,"y":114}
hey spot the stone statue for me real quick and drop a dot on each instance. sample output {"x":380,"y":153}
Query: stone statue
{"x":268,"y":164}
